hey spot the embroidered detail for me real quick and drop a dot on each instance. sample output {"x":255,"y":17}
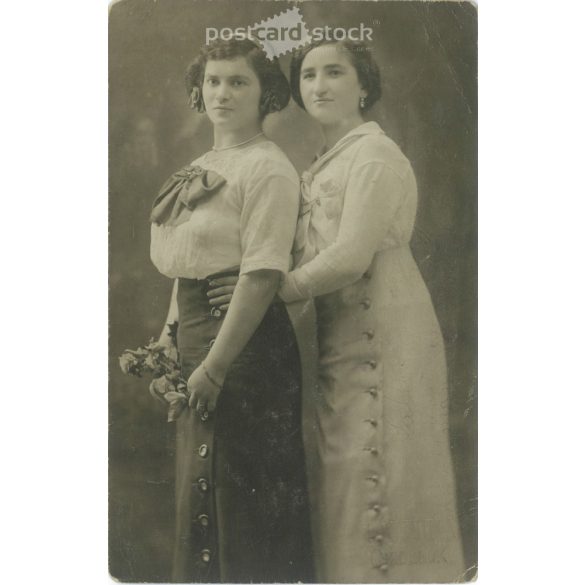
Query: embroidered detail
{"x":329,"y":187}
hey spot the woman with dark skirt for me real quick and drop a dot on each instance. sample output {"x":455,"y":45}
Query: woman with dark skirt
{"x":241,"y":496}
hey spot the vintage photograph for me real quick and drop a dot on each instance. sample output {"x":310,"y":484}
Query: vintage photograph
{"x":292,"y":291}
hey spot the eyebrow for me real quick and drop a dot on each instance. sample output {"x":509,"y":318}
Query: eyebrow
{"x":237,"y":76}
{"x":328,"y":66}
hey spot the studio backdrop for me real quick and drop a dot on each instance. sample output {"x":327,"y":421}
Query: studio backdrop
{"x":427,"y":52}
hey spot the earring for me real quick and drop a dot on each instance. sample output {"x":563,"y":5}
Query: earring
{"x":362,"y":102}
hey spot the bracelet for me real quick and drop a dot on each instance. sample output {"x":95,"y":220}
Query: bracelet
{"x":208,"y":376}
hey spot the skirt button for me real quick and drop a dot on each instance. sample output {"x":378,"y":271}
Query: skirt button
{"x":368,"y":335}
{"x":203,"y":519}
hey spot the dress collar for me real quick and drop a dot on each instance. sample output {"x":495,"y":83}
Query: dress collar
{"x":361,"y":130}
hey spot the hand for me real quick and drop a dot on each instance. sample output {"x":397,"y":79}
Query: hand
{"x":221,"y":291}
{"x":203,"y":393}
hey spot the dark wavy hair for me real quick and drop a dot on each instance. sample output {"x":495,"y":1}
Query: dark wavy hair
{"x":275,"y":90}
{"x":361,"y":58}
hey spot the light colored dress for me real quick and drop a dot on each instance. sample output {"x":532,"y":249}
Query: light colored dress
{"x":380,"y":471}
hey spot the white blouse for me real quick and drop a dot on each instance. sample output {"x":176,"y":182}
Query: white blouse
{"x":250,"y":222}
{"x":358,"y":198}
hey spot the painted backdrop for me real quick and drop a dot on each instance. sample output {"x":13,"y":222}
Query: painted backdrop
{"x":427,"y":52}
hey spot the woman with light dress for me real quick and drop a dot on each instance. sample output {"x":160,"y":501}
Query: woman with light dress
{"x":380,"y":472}
{"x":241,"y":498}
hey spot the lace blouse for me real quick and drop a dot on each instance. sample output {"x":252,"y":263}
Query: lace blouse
{"x":250,"y":222}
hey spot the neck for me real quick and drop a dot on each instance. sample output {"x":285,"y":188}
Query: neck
{"x":223,"y":138}
{"x":334,"y":132}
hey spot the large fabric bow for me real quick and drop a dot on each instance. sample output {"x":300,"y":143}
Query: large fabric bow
{"x":180,"y":194}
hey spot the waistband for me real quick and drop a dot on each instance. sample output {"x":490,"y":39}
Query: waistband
{"x":205,"y":281}
{"x":203,"y":284}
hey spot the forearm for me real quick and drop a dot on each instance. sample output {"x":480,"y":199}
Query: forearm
{"x":251,"y":298}
{"x":173,"y":312}
{"x":373,"y":195}
{"x":338,"y":266}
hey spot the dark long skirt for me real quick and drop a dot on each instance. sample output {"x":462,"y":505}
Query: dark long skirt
{"x":241,"y":495}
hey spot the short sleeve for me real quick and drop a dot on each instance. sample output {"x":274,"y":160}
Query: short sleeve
{"x":269,"y":216}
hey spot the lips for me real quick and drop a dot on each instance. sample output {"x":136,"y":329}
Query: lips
{"x":322,"y":101}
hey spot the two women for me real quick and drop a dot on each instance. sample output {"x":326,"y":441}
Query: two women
{"x":381,"y":482}
{"x":241,"y":500}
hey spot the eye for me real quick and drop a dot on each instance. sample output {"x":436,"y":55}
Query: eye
{"x":335,"y":72}
{"x":308,"y":75}
{"x":212,"y":81}
{"x":238,"y":83}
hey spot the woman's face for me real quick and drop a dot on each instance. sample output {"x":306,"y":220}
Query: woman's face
{"x":231,"y":93}
{"x":329,"y":85}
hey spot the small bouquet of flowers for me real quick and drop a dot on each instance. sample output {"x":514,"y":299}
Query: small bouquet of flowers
{"x":160,"y":361}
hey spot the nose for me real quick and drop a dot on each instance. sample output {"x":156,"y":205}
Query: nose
{"x":223,"y":92}
{"x":320,"y":87}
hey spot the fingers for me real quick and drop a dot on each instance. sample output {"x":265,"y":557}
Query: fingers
{"x":201,"y":407}
{"x":201,"y":403}
{"x":211,"y":404}
{"x":229,"y":280}
{"x":223,"y":300}
{"x":220,"y":290}
{"x":205,"y":407}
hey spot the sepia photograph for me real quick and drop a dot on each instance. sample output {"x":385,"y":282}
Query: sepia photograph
{"x":292,"y":291}
{"x":270,"y":246}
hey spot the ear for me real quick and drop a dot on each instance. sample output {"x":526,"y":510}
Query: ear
{"x":196,"y":100}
